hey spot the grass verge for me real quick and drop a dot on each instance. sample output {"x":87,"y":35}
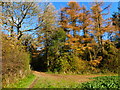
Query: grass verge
{"x":23,"y":83}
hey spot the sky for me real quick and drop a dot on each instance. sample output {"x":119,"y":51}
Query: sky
{"x":113,"y":8}
{"x":58,"y":0}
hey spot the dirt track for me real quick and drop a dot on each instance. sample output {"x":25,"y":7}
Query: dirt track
{"x":75,"y":78}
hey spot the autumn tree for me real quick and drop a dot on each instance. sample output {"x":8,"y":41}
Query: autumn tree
{"x":69,"y":21}
{"x":75,"y":19}
{"x":69,"y":16}
{"x":17,"y":18}
{"x":47,"y":20}
{"x":100,"y":25}
{"x":20,"y":17}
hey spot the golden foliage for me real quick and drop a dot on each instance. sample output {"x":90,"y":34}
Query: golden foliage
{"x":68,"y":35}
{"x":74,"y":39}
{"x":74,"y":5}
{"x":66,"y":43}
{"x":96,"y":62}
{"x":87,"y":39}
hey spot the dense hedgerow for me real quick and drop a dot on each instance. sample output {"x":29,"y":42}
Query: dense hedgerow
{"x":15,"y":61}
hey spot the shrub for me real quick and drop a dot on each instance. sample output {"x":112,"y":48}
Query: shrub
{"x":15,"y":60}
{"x":111,"y":57}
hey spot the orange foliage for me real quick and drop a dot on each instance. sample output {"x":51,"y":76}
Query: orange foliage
{"x":96,"y":62}
{"x":66,"y":43}
{"x":87,"y":39}
{"x":68,"y":35}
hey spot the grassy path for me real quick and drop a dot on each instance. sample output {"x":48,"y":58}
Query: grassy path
{"x":33,"y":83}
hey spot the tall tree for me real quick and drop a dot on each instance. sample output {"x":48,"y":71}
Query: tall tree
{"x":76,"y":19}
{"x":69,"y":21}
{"x":116,"y":23}
{"x":100,"y":25}
{"x":69,"y":17}
{"x":20,"y":17}
{"x":116,"y":18}
{"x":47,"y":19}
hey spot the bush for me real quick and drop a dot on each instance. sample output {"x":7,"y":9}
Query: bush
{"x":15,"y":60}
{"x":67,"y":63}
{"x":111,"y":56}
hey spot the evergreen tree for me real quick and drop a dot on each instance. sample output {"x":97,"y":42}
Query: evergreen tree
{"x":47,"y":20}
{"x":116,"y":23}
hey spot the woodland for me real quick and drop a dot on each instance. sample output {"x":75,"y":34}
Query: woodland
{"x":74,"y":39}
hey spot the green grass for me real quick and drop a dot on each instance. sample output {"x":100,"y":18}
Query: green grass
{"x":98,"y":82}
{"x":23,"y":83}
{"x":47,"y":82}
{"x":102,"y":82}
